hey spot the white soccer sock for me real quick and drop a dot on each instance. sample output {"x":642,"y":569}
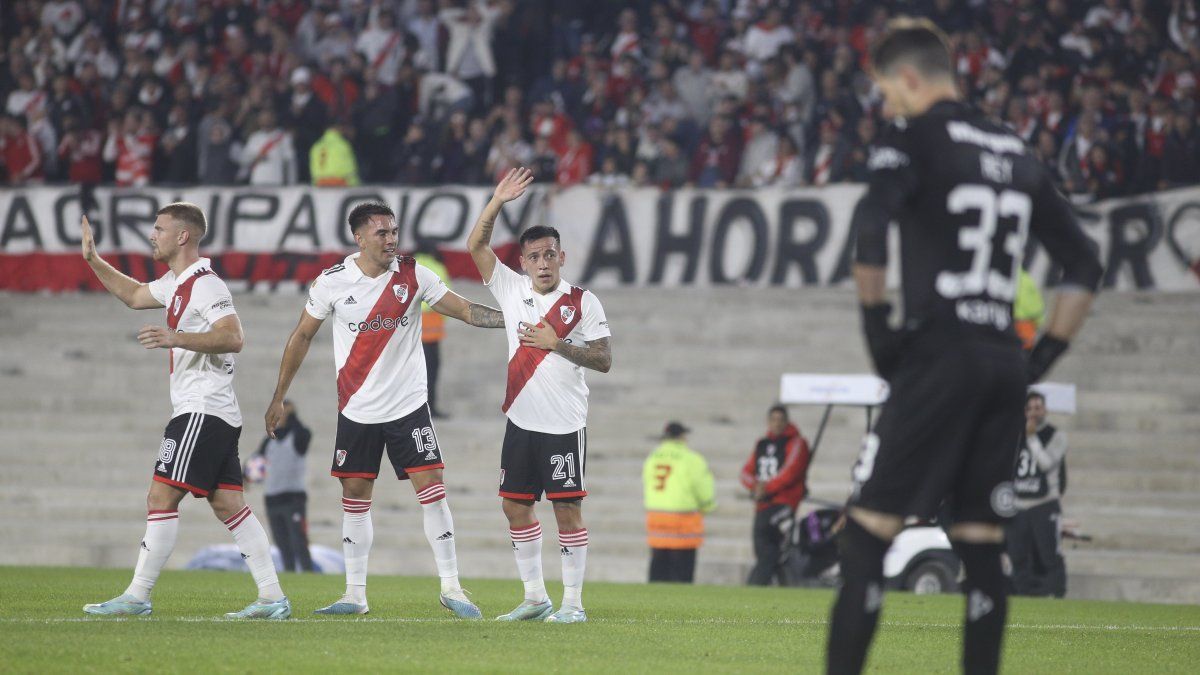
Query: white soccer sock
{"x":439,"y":530}
{"x":162,"y":528}
{"x":527,"y":548}
{"x":252,"y":541}
{"x":574,"y":561}
{"x":357,"y":535}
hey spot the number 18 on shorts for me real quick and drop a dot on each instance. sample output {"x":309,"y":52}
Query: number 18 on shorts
{"x":532,"y":462}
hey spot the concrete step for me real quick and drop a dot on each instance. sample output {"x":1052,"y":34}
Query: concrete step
{"x":83,"y":419}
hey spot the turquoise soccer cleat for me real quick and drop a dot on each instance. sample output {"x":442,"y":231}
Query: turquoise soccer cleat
{"x":260,"y":609}
{"x":458,"y":603}
{"x":343,"y":607}
{"x":529,"y":611}
{"x":122,"y":605}
{"x":567,"y":615}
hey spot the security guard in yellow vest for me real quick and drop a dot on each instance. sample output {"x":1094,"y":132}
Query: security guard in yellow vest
{"x":1029,"y":309}
{"x":678,"y":492}
{"x":332,"y":161}
{"x":433,"y":327}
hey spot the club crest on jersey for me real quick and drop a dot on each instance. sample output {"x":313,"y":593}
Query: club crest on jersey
{"x":339,"y":457}
{"x":178,"y":302}
{"x":567,"y":312}
{"x":401,"y":291}
{"x":166,"y":451}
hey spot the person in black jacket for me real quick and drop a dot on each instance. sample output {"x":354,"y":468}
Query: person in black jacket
{"x":304,"y":115}
{"x":1034,"y":536}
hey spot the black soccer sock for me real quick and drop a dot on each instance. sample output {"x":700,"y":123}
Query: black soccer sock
{"x":856,"y":612}
{"x":986,"y":589}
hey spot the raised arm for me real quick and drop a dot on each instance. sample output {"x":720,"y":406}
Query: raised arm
{"x":128,"y":290}
{"x":479,"y":243}
{"x":456,"y":306}
{"x":293,"y":355}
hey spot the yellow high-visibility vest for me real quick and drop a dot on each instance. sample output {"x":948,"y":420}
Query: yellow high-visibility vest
{"x":678,"y":490}
{"x":331,"y":160}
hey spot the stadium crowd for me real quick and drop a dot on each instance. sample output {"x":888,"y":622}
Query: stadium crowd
{"x":672,"y":93}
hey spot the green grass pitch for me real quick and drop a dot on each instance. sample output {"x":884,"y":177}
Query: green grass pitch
{"x":631,"y":629}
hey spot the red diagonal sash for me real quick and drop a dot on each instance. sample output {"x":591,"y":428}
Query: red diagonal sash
{"x":386,"y":51}
{"x":370,"y":343}
{"x":526,"y":360}
{"x":179,"y":302}
{"x":267,"y":148}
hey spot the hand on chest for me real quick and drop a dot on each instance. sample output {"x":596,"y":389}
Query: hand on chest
{"x":561,"y":311}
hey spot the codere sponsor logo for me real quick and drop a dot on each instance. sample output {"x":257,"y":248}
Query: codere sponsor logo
{"x":378,"y":323}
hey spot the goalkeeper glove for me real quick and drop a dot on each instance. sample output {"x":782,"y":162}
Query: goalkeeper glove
{"x":1047,"y":350}
{"x":883,"y":342}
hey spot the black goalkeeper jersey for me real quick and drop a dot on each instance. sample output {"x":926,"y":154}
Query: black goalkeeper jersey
{"x":966,"y":193}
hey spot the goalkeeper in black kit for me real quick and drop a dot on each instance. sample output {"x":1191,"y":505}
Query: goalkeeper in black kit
{"x":965,"y":193}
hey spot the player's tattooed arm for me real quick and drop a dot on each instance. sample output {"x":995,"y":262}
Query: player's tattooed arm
{"x":596,"y":355}
{"x":479,"y":243}
{"x":455,"y":306}
{"x":484,"y":316}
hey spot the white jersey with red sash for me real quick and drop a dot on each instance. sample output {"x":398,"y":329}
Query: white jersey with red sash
{"x":545,"y":392}
{"x":200,"y":383}
{"x":376,"y":335}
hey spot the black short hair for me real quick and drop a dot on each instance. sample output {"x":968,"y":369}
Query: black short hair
{"x":539,"y":232}
{"x":918,"y":42}
{"x":778,"y":408}
{"x":362,"y":213}
{"x":1034,"y":394}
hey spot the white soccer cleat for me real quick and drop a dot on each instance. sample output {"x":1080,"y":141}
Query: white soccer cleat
{"x":278,"y":610}
{"x":567,"y":615}
{"x":529,"y":611}
{"x":345,"y":605}
{"x":122,"y":605}
{"x":463,"y":608}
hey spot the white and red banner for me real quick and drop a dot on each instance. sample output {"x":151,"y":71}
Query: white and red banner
{"x":282,"y":237}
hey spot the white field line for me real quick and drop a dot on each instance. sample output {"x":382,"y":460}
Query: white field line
{"x":1133,"y":628}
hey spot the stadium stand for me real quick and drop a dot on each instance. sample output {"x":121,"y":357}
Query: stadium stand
{"x":672,"y":92}
{"x":705,"y":93}
{"x":84,"y":406}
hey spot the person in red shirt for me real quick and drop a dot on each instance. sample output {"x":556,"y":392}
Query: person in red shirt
{"x":575,"y":163}
{"x":19,"y":152}
{"x":775,"y":474}
{"x":337,"y":90}
{"x":131,"y":145}
{"x":80,"y":151}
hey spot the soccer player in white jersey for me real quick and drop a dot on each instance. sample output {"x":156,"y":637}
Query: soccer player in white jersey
{"x":375,"y":299}
{"x":199,"y":450}
{"x":555,"y":330}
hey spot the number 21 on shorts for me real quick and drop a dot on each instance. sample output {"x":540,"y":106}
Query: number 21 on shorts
{"x":562,"y":462}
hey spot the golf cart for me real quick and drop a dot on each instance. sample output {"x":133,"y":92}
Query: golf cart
{"x":920,"y":558}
